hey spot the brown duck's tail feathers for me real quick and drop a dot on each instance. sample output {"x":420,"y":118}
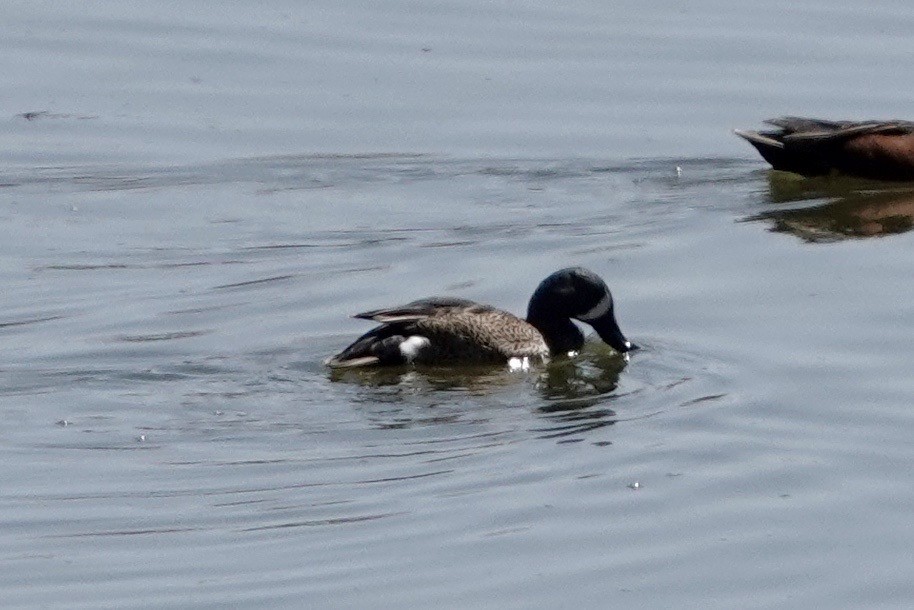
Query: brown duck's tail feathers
{"x":758,"y":139}
{"x":772,"y":148}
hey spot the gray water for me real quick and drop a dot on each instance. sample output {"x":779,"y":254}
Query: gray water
{"x":194,"y":200}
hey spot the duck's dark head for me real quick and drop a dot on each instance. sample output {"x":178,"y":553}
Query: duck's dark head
{"x":580,"y":294}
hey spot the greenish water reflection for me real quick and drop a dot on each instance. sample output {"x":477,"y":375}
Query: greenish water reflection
{"x":852,"y":208}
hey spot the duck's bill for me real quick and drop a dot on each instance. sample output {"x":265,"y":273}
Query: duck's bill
{"x":609,"y":331}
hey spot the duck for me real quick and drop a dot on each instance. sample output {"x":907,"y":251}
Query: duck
{"x":875,"y":150}
{"x":449,"y":330}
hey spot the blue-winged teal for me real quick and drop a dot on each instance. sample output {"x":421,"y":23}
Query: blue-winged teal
{"x":442,"y":330}
{"x":879,"y":150}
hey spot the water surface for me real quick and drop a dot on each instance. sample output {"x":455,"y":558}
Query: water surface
{"x":203,"y":198}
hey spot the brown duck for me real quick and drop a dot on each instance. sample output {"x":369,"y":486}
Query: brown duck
{"x":878,"y":150}
{"x":446,"y":330}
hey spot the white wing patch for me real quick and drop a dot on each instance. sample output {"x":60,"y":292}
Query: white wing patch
{"x":519,"y":364}
{"x":411,"y":347}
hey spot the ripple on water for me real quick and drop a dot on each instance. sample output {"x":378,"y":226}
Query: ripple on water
{"x":158,"y":398}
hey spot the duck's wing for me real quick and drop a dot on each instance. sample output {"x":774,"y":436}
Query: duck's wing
{"x":421,"y":308}
{"x":402,"y":335}
{"x":792,"y":127}
{"x":798,"y":124}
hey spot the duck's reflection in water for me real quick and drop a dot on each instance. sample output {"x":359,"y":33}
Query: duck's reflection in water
{"x":577,"y":392}
{"x":853,"y":209}
{"x":571,"y":394}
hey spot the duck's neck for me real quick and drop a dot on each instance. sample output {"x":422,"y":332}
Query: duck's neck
{"x":561,"y":334}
